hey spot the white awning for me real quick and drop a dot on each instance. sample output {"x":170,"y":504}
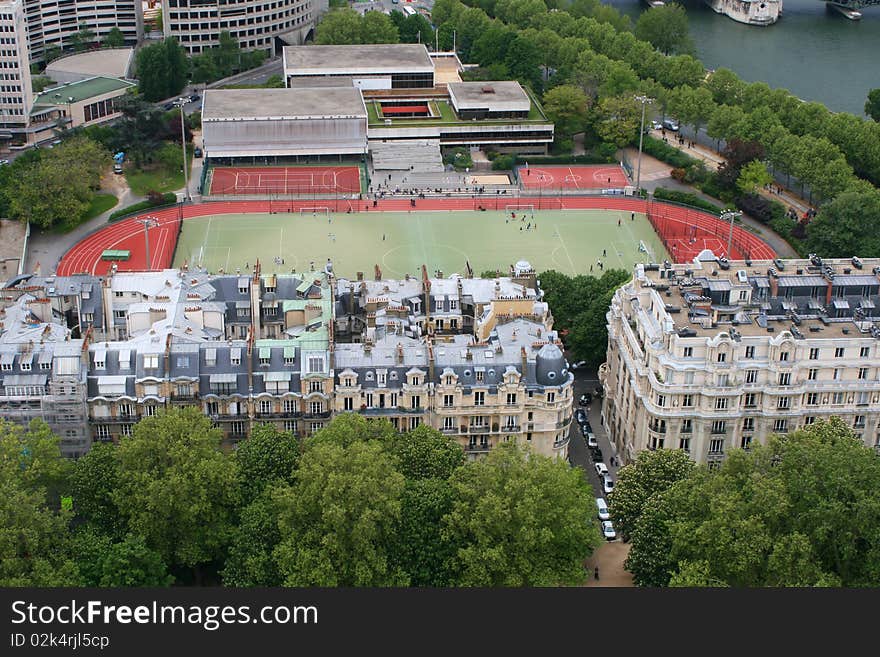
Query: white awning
{"x":24,"y":380}
{"x":265,"y":353}
{"x":271,"y":377}
{"x":125,"y":359}
{"x":45,"y":357}
{"x":7,"y":358}
{"x":66,"y":365}
{"x":235,"y":354}
{"x":289,"y":352}
{"x":226,"y":377}
{"x":26,"y":357}
{"x":210,"y":355}
{"x":111,"y":385}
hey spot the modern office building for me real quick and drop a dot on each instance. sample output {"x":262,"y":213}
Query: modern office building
{"x":266,"y":25}
{"x":16,"y":95}
{"x":53,"y":22}
{"x":714,"y":355}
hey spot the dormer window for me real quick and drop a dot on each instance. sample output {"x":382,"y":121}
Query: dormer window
{"x":151,"y":361}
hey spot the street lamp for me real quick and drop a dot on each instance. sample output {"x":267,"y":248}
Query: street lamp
{"x":180,"y":103}
{"x":644,"y":100}
{"x":731,"y":214}
{"x":148,"y":222}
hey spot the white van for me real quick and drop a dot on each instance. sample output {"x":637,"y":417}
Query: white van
{"x":603,"y":509}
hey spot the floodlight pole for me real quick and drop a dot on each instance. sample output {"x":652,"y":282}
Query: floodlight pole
{"x":180,"y":103}
{"x":644,"y":100}
{"x":733,"y":215}
{"x":147,"y":223}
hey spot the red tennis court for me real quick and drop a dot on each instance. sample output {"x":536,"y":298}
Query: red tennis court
{"x":602,"y":176}
{"x":285,"y":180}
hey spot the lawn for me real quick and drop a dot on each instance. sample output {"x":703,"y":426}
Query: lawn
{"x":157,"y":178}
{"x":570,"y":241}
{"x":100,"y":204}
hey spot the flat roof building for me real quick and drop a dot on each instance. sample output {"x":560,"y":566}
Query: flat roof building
{"x":283,"y":122}
{"x":375,"y":66}
{"x":107,"y":62}
{"x":503,"y":99}
{"x":86,"y":102}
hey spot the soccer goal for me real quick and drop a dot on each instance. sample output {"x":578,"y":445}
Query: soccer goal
{"x":644,"y":248}
{"x":321,"y":211}
{"x":513,"y":207}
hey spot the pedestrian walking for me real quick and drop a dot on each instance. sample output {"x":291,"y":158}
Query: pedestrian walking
{"x":618,"y":221}
{"x":632,"y":216}
{"x":604,"y":253}
{"x":596,"y":573}
{"x":591,"y":268}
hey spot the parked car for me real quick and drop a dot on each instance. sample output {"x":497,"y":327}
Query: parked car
{"x":585,"y":399}
{"x":592,"y":442}
{"x":586,"y":427}
{"x":580,"y":416}
{"x":608,"y":530}
{"x":194,"y":98}
{"x":601,"y":469}
{"x":578,"y":365}
{"x":596,"y":455}
{"x":4,"y":162}
{"x":670,"y":124}
{"x":197,"y":152}
{"x":117,"y":168}
{"x":603,"y":509}
{"x":608,"y":484}
{"x":168,"y":107}
{"x":656,"y":125}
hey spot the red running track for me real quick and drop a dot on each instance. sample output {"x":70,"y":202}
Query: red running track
{"x":285,"y":180}
{"x":566,"y":177}
{"x":85,"y":257}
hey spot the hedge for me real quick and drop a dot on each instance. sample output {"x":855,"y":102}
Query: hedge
{"x":665,"y":153}
{"x":763,"y":209}
{"x":167,"y":199}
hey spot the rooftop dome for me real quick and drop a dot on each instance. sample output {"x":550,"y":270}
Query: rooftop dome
{"x":550,"y":367}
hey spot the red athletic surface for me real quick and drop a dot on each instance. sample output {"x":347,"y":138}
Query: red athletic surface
{"x":675,"y":225}
{"x":285,"y":180}
{"x":566,"y":177}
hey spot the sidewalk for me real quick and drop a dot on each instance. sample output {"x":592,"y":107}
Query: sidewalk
{"x":700,"y":152}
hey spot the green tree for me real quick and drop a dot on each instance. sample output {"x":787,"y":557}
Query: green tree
{"x":82,"y":39}
{"x":618,"y":120}
{"x":176,"y":487}
{"x":753,"y":177}
{"x":725,"y":86}
{"x":846,"y":226}
{"x":266,"y":457}
{"x":419,"y":547}
{"x":349,"y":428}
{"x":519,"y":519}
{"x":872,"y":105}
{"x":103,"y":561}
{"x":566,"y":106}
{"x":377,"y":27}
{"x":52,"y":52}
{"x":523,"y":59}
{"x":346,"y":26}
{"x":337,"y":520}
{"x":32,"y":457}
{"x":425,"y":453}
{"x":666,"y":28}
{"x":34,"y":541}
{"x":94,"y":480}
{"x":251,"y":560}
{"x":114,"y":38}
{"x":162,"y":70}
{"x":652,"y":473}
{"x":692,"y":106}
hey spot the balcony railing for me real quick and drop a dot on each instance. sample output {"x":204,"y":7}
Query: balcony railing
{"x":322,"y":415}
{"x":225,"y":417}
{"x":183,"y":397}
{"x":477,"y":448}
{"x":278,"y":415}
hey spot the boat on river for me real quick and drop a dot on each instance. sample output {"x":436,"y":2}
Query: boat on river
{"x":751,"y":12}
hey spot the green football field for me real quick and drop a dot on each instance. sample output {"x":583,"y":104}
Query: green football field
{"x":569,"y":241}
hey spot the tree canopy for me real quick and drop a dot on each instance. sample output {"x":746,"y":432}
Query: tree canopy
{"x":346,"y":27}
{"x":666,"y":28}
{"x":802,"y":510}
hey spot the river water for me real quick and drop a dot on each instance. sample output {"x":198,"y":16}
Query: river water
{"x":812,"y":51}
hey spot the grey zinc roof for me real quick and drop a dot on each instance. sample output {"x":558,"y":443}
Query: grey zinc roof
{"x":352,"y":60}
{"x":253,"y":104}
{"x":803,"y":281}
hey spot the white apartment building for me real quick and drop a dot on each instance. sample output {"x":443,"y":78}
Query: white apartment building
{"x":256,"y":24}
{"x":16,"y":94}
{"x":53,"y":22}
{"x":714,"y":355}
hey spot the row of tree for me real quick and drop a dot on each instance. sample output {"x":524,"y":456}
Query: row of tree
{"x":579,"y":305}
{"x":593,"y":70}
{"x":163,"y":68}
{"x":355,"y":505}
{"x":804,"y":510}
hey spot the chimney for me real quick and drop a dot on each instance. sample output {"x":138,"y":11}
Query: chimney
{"x":351,"y":297}
{"x":399,"y":354}
{"x":430,"y":362}
{"x":525,"y":360}
{"x":469,"y":355}
{"x":360,"y":275}
{"x":828,"y":291}
{"x":377,"y":273}
{"x":774,"y":286}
